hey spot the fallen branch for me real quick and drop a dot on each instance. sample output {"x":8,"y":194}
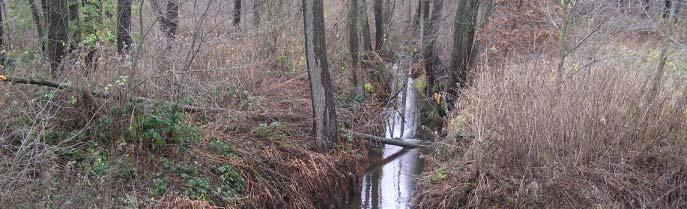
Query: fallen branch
{"x":52,"y":84}
{"x":396,"y":141}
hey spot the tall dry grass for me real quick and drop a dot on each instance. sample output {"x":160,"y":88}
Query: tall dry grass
{"x":599,"y":141}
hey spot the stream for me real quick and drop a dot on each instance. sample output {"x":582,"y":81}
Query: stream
{"x":390,"y":180}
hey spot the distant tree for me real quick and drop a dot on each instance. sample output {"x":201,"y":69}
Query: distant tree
{"x":429,"y":53}
{"x":324,"y":111}
{"x":75,"y":20}
{"x":354,"y":45}
{"x":365,"y":25}
{"x":463,"y":37}
{"x":379,"y":24}
{"x":421,"y":14}
{"x":237,"y":13}
{"x":2,"y":37}
{"x":123,"y":25}
{"x":58,"y":23}
{"x":645,"y":7}
{"x":668,"y":5}
{"x":36,"y":14}
{"x":168,"y":17}
{"x":257,"y":12}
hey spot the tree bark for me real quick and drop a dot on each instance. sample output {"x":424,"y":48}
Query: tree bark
{"x":257,"y":13}
{"x":36,"y":14}
{"x":2,"y":37}
{"x":324,"y":112}
{"x":58,"y":23}
{"x":123,"y":25}
{"x":364,"y":25}
{"x":463,"y":37}
{"x":237,"y":13}
{"x":429,"y":41}
{"x":354,"y":45}
{"x":168,"y":17}
{"x":76,"y":21}
{"x":379,"y":24}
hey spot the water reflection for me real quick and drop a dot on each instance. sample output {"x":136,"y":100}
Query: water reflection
{"x":390,"y":181}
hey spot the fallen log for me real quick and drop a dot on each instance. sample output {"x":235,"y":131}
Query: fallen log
{"x":396,"y":141}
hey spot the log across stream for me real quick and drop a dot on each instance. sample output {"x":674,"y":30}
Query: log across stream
{"x":390,"y":181}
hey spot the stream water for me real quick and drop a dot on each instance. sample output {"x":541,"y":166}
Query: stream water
{"x":390,"y":180}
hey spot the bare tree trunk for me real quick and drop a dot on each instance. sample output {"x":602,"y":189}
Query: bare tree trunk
{"x":257,"y":13}
{"x":2,"y":38}
{"x":321,"y":89}
{"x":123,"y":25}
{"x":365,"y":25}
{"x":237,"y":13}
{"x":663,"y":56}
{"x":379,"y":24}
{"x":429,"y":41}
{"x":168,"y":17}
{"x":463,"y":38}
{"x":37,"y":21}
{"x":354,"y":47}
{"x":57,"y":32}
{"x":76,"y":21}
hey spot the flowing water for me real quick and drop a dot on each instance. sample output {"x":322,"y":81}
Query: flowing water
{"x":390,"y":181}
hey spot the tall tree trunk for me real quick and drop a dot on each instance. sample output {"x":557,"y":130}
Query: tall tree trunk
{"x":123,"y":25}
{"x":463,"y":37}
{"x":257,"y":13}
{"x":75,"y":19}
{"x":36,"y":14}
{"x":237,"y":13}
{"x":668,"y":25}
{"x":168,"y":17}
{"x":379,"y":24}
{"x":354,"y":44}
{"x":2,"y":37}
{"x":365,"y":25}
{"x":58,"y":23}
{"x":429,"y":41}
{"x":645,"y":7}
{"x":321,"y":89}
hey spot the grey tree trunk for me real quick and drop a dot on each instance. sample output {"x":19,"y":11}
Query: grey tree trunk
{"x":75,"y":20}
{"x":379,"y":24}
{"x":168,"y":17}
{"x":58,"y":23}
{"x":2,"y":38}
{"x":123,"y":25}
{"x":324,"y":111}
{"x":237,"y":13}
{"x":365,"y":25}
{"x":429,"y":41}
{"x":257,"y":12}
{"x":354,"y":44}
{"x":37,"y":21}
{"x":463,"y":37}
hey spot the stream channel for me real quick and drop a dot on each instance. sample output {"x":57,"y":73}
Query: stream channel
{"x":391,"y":179}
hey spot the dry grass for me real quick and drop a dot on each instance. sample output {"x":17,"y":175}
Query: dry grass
{"x":598,"y":142}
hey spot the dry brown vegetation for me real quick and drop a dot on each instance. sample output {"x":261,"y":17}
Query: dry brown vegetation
{"x":56,"y":151}
{"x":599,"y":139}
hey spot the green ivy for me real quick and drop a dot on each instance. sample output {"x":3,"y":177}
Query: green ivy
{"x":198,"y":188}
